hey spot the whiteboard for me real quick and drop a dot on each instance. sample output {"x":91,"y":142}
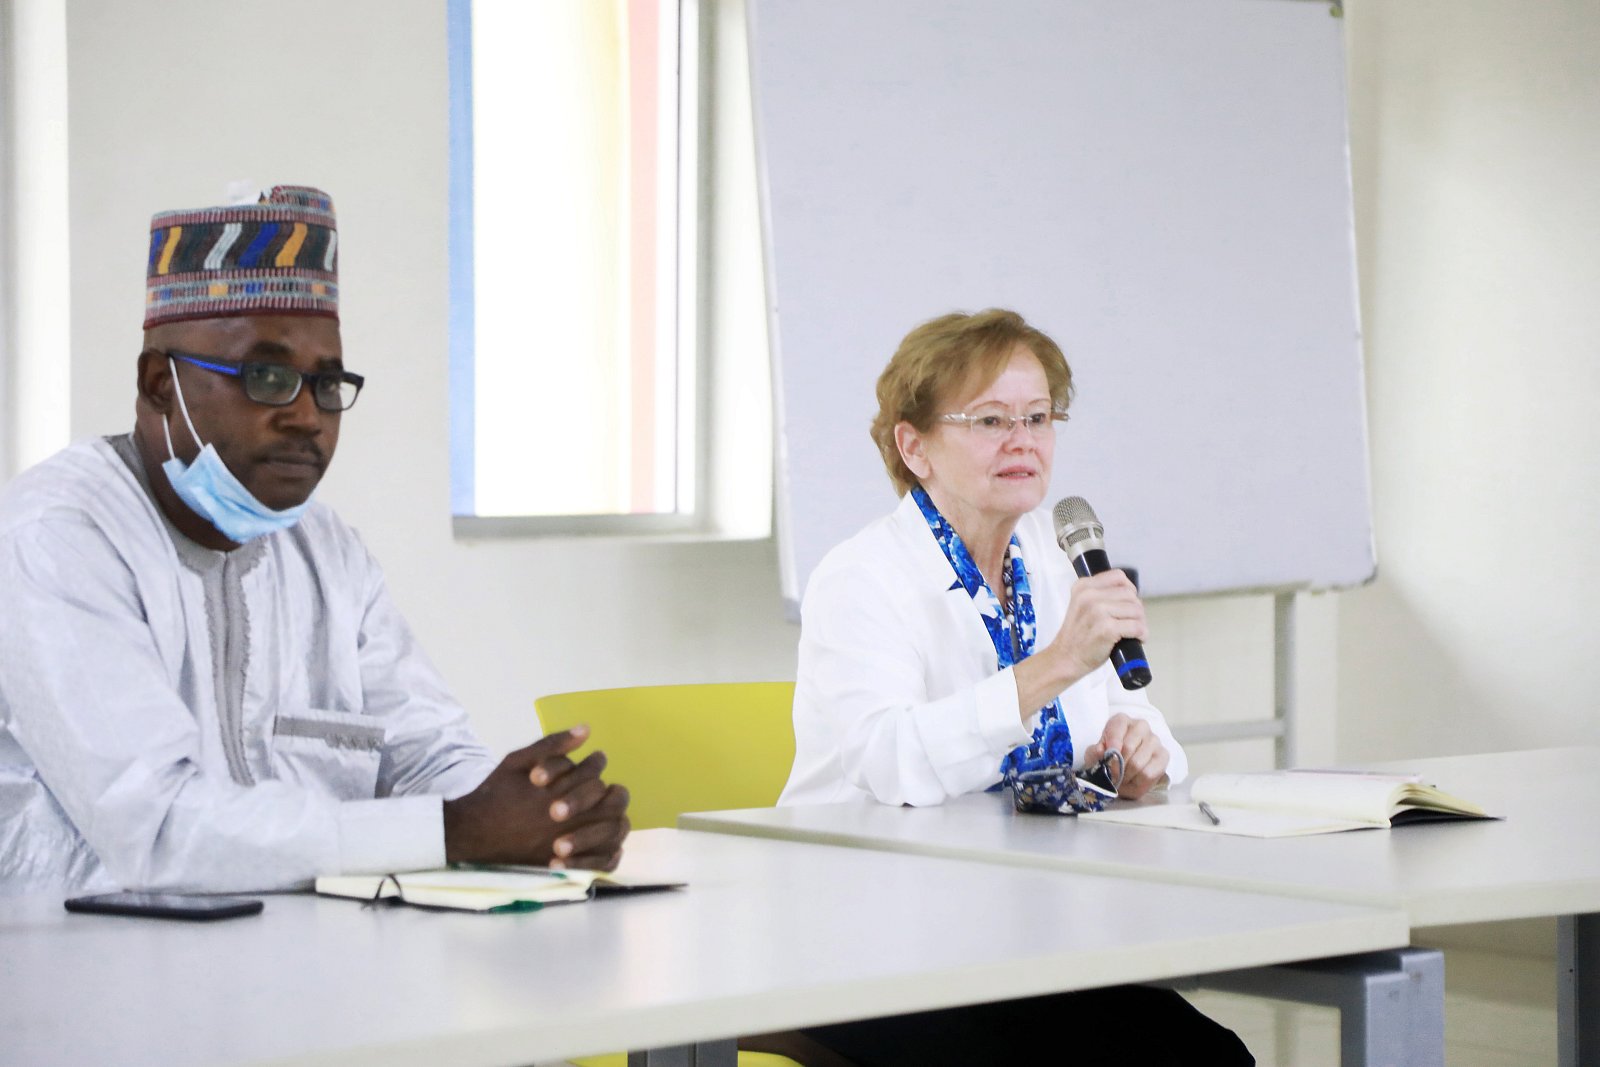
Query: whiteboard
{"x":1163,"y":186}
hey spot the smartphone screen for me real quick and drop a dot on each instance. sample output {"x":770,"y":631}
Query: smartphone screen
{"x":165,"y":905}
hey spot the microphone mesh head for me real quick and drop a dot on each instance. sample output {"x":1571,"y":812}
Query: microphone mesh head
{"x":1073,"y":511}
{"x":1076,"y":524}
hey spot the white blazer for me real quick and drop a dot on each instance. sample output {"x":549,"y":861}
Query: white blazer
{"x":899,"y":696}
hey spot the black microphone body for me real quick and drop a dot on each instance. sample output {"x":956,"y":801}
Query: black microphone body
{"x":1079,"y":534}
{"x":1127,"y":655}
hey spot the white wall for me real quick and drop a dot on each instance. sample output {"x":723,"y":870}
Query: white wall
{"x":1475,"y":142}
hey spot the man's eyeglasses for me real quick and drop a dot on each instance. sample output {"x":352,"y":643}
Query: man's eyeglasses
{"x":997,"y":425}
{"x":277,"y":385}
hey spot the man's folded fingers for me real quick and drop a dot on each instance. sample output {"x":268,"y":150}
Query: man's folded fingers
{"x":593,"y":839}
{"x":576,"y":800}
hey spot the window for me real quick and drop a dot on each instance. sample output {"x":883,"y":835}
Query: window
{"x":575,"y":383}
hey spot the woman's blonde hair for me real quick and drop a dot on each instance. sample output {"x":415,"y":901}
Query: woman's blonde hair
{"x":949,"y":355}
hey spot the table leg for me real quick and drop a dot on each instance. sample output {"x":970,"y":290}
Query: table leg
{"x":1578,"y":990}
{"x":1391,"y":1004}
{"x":702,"y":1054}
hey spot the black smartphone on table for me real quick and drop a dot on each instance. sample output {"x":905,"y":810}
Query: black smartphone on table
{"x":165,"y":905}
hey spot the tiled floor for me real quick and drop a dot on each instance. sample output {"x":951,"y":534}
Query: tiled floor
{"x":1499,"y":1011}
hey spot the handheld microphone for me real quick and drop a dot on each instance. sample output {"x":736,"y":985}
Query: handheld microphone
{"x":1081,"y":537}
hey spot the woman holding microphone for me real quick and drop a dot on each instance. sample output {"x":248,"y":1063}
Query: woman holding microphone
{"x":948,"y":646}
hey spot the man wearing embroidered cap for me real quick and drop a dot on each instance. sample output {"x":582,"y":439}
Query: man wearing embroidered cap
{"x":203,"y":682}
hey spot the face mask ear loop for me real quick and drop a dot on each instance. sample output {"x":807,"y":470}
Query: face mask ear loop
{"x":166,"y":429}
{"x":183,"y":407}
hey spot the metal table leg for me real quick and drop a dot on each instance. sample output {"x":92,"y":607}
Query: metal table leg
{"x":702,"y":1054}
{"x":1391,"y":1004}
{"x":1578,"y":990}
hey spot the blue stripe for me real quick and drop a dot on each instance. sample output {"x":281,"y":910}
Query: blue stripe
{"x":248,"y":258}
{"x":1132,"y":664}
{"x":221,"y":368}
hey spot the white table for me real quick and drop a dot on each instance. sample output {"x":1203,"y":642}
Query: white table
{"x":769,"y":936}
{"x":1542,"y":860}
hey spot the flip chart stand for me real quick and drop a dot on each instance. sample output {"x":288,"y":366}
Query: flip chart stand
{"x":1282,"y":726}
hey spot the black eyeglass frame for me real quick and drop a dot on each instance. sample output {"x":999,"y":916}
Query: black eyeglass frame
{"x":312,"y":378}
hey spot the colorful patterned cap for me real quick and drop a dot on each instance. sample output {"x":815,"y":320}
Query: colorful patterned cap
{"x":275,"y":257}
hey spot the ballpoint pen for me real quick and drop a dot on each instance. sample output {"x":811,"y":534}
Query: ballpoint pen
{"x":1205,"y":809}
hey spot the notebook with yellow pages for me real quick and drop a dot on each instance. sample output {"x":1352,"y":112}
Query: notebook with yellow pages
{"x":1296,"y":803}
{"x":484,"y":887}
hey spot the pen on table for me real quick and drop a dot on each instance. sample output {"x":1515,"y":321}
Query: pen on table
{"x":1205,"y":809}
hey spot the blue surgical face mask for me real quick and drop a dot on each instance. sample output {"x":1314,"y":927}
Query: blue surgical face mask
{"x":211,"y":491}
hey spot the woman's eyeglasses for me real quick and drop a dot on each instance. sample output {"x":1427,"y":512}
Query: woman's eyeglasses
{"x":998,"y":425}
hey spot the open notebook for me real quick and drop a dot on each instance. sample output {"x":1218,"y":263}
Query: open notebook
{"x":485,"y":887}
{"x":1295,"y":803}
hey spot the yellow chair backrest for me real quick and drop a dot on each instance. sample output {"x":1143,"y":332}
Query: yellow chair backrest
{"x":746,"y":1059}
{"x":685,"y":748}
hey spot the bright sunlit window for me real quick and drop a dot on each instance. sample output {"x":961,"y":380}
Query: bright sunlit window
{"x":573,"y":378}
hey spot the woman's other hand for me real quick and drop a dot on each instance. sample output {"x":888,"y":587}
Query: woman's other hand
{"x":1144,"y":757}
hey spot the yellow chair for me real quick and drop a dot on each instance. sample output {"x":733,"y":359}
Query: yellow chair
{"x":746,"y":1059}
{"x":685,"y":748}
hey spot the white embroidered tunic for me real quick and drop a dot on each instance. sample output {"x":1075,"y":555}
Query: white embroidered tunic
{"x":177,"y":718}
